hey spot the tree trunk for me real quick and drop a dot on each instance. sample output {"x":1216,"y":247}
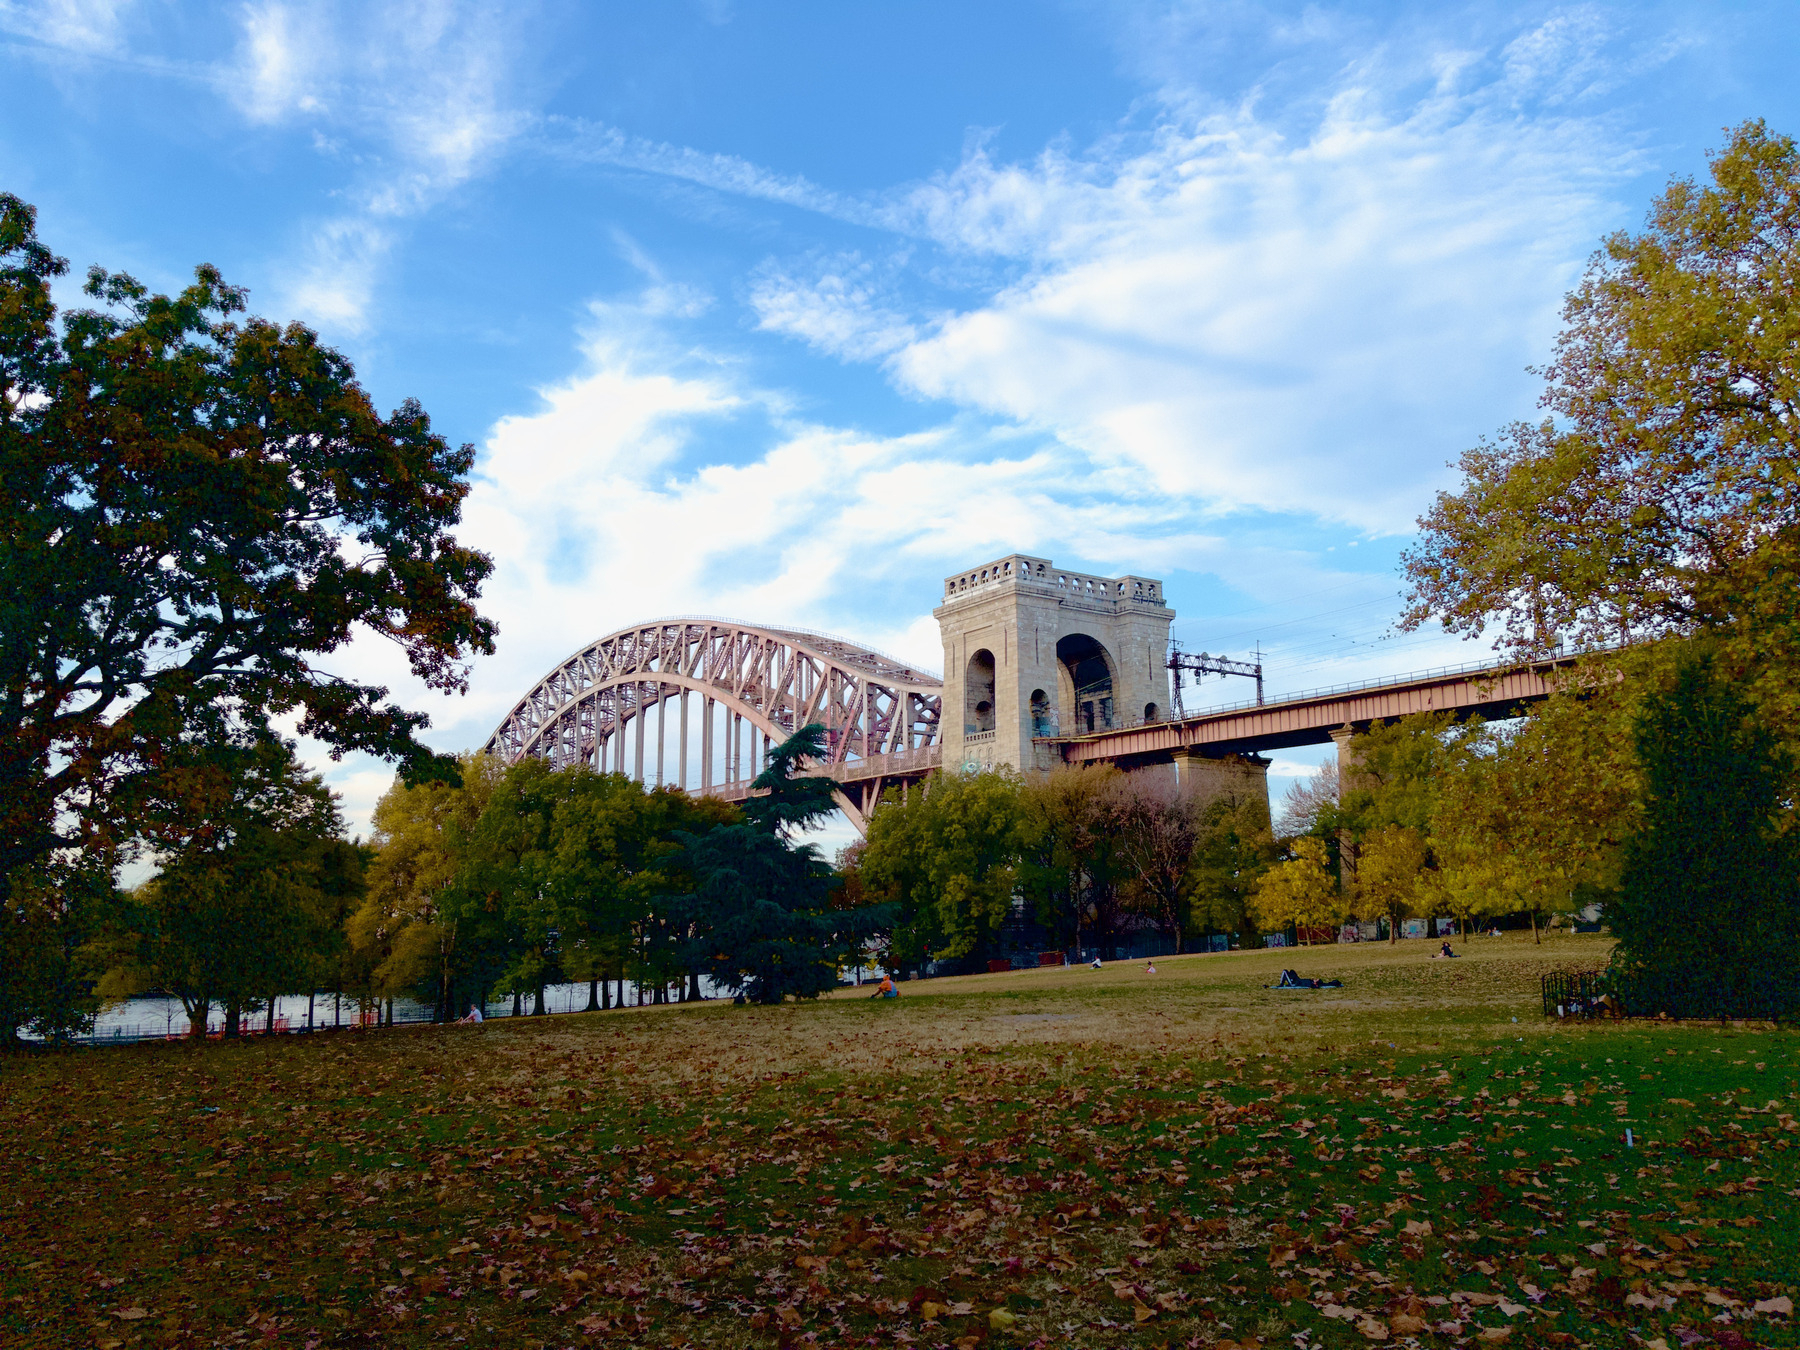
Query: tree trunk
{"x":231,"y":1021}
{"x":269,"y":1024}
{"x":390,"y":1010}
{"x":518,"y":1005}
{"x":606,"y":1000}
{"x":694,"y":985}
{"x":593,"y":996}
{"x":1534,"y":931}
{"x":337,"y":1010}
{"x":537,"y":1007}
{"x":197,"y":1019}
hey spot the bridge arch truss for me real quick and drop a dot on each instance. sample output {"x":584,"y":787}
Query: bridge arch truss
{"x":608,"y":705}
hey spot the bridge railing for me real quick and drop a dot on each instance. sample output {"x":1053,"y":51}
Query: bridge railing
{"x":1496,"y":669}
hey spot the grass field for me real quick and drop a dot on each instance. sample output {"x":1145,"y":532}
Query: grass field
{"x":1068,"y":1157}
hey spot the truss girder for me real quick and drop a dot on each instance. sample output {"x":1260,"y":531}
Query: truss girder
{"x":778,"y":679}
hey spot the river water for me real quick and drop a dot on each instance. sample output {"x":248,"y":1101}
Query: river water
{"x":142,"y":1018}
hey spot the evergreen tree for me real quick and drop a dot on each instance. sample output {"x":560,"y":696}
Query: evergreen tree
{"x":1709,"y":910}
{"x":759,"y":904}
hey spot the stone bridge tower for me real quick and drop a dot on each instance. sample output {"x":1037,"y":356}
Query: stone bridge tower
{"x":1034,"y":650}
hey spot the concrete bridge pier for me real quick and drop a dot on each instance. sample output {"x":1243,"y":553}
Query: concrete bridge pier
{"x":1204,"y":777}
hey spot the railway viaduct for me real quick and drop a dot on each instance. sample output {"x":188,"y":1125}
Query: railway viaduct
{"x":1042,"y":666}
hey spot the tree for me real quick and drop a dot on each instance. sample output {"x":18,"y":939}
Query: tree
{"x":238,"y":911}
{"x":1301,"y":890}
{"x":1401,"y":768}
{"x":1388,"y":869}
{"x":1070,"y":865}
{"x":48,"y":962}
{"x":948,"y":857}
{"x":1708,"y":914}
{"x":509,"y":870}
{"x":1234,"y":848}
{"x":758,"y":904}
{"x":1661,"y":496}
{"x":196,"y":509}
{"x":1533,"y":819}
{"x":420,"y":941}
{"x":1311,"y":804}
{"x":1158,"y":832}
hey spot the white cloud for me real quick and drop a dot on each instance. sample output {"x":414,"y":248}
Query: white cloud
{"x":425,"y":93}
{"x":1266,"y":324}
{"x":85,"y":27}
{"x":838,"y":309}
{"x":1248,"y":314}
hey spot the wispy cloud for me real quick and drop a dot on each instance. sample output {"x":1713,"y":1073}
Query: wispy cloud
{"x":1253,"y":316}
{"x":427,"y":92}
{"x":838,"y":305}
{"x":82,"y":27}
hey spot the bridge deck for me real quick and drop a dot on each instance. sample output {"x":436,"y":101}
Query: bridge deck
{"x":1490,"y":691}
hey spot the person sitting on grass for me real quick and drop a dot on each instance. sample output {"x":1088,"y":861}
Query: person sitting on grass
{"x":1151,"y":968}
{"x":1444,"y":951}
{"x":886,"y":988}
{"x":474,"y":1016}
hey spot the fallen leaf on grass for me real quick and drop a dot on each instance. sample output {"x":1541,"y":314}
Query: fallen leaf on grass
{"x":1779,"y":1306}
{"x":1374,"y":1330}
{"x":131,"y":1314}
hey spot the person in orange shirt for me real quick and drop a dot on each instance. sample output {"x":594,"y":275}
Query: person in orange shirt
{"x":886,"y":988}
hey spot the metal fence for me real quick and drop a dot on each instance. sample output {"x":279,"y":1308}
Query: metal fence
{"x":1579,"y":994}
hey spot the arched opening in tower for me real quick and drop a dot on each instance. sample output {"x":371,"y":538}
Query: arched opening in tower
{"x":1089,"y":674}
{"x":978,"y":694}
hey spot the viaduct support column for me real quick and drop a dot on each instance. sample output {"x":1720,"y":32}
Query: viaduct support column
{"x":1203,"y":777}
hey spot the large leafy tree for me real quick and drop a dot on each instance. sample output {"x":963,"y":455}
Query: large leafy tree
{"x":948,"y":856}
{"x":1234,"y":847}
{"x":411,"y":930}
{"x":1159,"y":829}
{"x":1708,"y":915}
{"x":48,"y":960}
{"x":1301,"y":890}
{"x":758,"y":903}
{"x":249,"y":896}
{"x":195,"y":509}
{"x":1071,"y":866}
{"x":1661,"y":496}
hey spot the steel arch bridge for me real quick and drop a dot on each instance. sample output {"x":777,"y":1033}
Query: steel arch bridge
{"x":754,"y":686}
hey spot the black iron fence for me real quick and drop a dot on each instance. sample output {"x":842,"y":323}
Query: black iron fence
{"x":1579,"y":993}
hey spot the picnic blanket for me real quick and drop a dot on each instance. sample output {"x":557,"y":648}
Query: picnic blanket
{"x":1289,"y":980}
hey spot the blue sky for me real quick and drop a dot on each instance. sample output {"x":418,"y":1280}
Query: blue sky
{"x":784,"y":312}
